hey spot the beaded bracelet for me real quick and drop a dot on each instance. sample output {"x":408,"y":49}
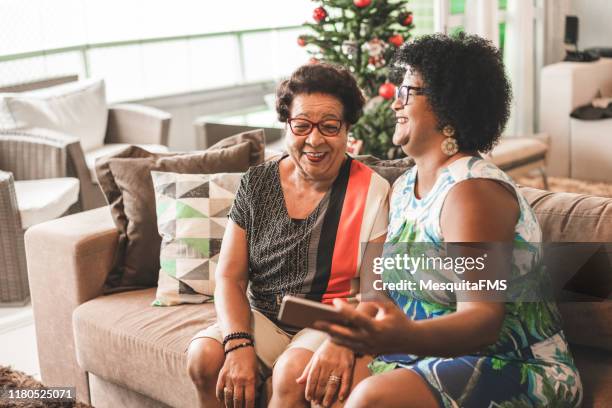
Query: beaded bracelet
{"x":237,"y":335}
{"x":237,"y":346}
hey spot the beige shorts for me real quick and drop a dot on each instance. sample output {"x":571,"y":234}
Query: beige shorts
{"x":270,"y":340}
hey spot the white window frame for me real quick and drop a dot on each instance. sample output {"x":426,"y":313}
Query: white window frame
{"x":445,"y":22}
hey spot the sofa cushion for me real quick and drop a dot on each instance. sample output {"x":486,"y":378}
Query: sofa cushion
{"x":107,"y":394}
{"x":77,"y":109}
{"x":111,"y":150}
{"x":568,"y":217}
{"x":192,"y":214}
{"x":126,"y":182}
{"x":595,"y":368}
{"x":46,"y":199}
{"x":588,"y":323}
{"x":256,"y":139}
{"x":124,"y":341}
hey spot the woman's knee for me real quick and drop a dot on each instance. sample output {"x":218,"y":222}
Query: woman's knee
{"x":366,"y":394}
{"x":288,"y":368}
{"x":382,"y":391}
{"x":204,"y":361}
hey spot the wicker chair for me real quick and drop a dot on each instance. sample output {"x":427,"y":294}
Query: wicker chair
{"x":13,"y":274}
{"x":25,"y":155}
{"x":127,"y":124}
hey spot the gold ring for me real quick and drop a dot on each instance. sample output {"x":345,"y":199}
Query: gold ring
{"x":227,"y":391}
{"x":334,"y":379}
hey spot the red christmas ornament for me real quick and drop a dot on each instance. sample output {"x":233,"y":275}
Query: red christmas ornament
{"x":387,"y":90}
{"x":301,"y":41}
{"x":362,"y":3}
{"x":319,"y":14}
{"x":405,"y":19}
{"x":396,"y":40}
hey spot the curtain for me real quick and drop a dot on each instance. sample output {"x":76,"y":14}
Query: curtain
{"x":519,"y":53}
{"x":481,"y":18}
{"x":554,"y":29}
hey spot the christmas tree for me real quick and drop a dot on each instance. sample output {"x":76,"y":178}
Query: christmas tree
{"x":363,"y":35}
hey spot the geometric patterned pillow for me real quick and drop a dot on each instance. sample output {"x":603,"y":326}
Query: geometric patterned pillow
{"x":191,"y":218}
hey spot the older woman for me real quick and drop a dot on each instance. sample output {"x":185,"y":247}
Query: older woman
{"x":461,"y":349}
{"x":296,"y":227}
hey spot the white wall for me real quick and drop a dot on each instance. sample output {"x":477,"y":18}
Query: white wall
{"x":595,"y":22}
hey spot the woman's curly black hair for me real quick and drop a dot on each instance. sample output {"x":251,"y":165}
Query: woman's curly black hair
{"x":321,"y":78}
{"x":467,"y":87}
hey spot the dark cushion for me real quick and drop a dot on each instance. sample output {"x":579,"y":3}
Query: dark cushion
{"x":125,"y":179}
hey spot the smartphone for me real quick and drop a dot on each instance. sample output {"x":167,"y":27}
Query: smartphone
{"x":300,"y":312}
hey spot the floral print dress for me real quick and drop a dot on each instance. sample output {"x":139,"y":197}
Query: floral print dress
{"x":530,"y":365}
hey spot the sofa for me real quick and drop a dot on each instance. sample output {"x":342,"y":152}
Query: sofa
{"x":120,"y":352}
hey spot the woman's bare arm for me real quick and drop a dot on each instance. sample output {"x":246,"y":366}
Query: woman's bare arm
{"x":480,"y":211}
{"x":231,"y":281}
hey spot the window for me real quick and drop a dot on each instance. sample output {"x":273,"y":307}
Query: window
{"x":451,"y":16}
{"x":145,"y":49}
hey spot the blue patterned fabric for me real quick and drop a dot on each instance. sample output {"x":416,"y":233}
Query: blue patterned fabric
{"x":530,"y":365}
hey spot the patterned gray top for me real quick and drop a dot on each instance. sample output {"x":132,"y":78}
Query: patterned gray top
{"x":307,"y":257}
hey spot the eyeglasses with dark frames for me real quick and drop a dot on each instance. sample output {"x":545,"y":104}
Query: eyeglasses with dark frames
{"x":403,"y":93}
{"x":303,"y":127}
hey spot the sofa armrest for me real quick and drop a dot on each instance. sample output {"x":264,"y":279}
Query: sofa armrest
{"x":137,"y":124}
{"x":68,"y":261}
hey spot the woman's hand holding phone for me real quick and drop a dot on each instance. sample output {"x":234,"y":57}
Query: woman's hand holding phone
{"x":372,"y":328}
